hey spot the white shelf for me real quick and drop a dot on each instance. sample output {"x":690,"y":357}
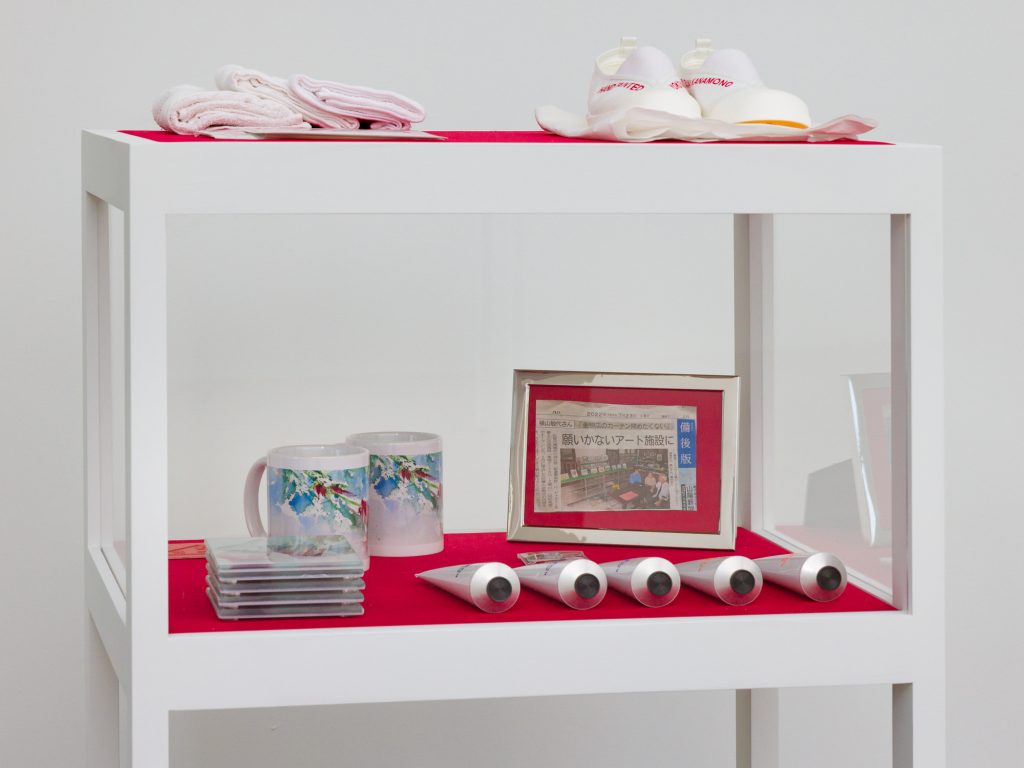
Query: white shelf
{"x":159,"y":672}
{"x":214,"y":670}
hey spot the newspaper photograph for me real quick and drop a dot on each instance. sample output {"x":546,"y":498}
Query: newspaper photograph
{"x":593,"y":457}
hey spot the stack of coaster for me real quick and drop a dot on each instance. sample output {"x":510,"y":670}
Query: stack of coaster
{"x":256,"y":578}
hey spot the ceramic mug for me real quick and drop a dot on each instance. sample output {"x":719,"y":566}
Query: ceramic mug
{"x":405,"y":500}
{"x":312,"y":490}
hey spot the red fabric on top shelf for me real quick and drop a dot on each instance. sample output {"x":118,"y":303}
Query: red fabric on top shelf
{"x":484,"y":137}
{"x":456,"y":137}
{"x":395,"y":597}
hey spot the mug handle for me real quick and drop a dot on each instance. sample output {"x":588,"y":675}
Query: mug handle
{"x":251,"y":498}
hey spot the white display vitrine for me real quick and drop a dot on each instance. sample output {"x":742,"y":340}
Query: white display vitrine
{"x":131,"y":185}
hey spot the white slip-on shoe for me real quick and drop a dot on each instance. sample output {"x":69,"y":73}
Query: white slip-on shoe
{"x":727,"y":87}
{"x":631,"y":76}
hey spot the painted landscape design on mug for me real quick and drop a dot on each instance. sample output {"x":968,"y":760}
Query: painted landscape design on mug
{"x":319,"y":502}
{"x":413,"y":480}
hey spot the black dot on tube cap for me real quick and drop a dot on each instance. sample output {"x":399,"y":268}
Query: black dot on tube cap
{"x":587,"y":586}
{"x":829,"y":578}
{"x":659,"y":583}
{"x":742,"y":582}
{"x":499,"y":589}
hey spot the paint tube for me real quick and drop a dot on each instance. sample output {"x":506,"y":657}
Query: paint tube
{"x":734,"y":579}
{"x":652,"y":581}
{"x":580,"y":584}
{"x":530,"y":558}
{"x":820,"y":576}
{"x":491,"y":587}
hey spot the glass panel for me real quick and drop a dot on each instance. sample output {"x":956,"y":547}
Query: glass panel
{"x":304,"y":329}
{"x":828,"y":467}
{"x":113,"y":422}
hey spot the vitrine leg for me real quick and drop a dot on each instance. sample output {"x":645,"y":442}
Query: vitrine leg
{"x":918,"y":725}
{"x":743,"y":728}
{"x":758,"y":728}
{"x":145,"y":739}
{"x":101,"y":704}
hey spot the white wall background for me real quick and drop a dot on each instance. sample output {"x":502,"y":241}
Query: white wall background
{"x":483,"y":65}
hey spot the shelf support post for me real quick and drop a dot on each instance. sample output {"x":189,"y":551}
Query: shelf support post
{"x":757,"y":711}
{"x":753,"y":260}
{"x":145,"y":705}
{"x":918,"y":546}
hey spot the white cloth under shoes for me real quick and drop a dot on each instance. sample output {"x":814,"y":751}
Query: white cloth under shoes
{"x":191,"y":110}
{"x":644,"y":125}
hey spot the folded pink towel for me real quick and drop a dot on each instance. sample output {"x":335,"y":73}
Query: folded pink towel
{"x":381,"y":109}
{"x":187,"y":109}
{"x":232,"y":77}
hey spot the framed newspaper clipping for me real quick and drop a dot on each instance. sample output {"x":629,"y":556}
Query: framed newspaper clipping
{"x":624,"y":458}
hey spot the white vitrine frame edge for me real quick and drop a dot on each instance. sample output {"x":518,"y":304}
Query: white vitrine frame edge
{"x":159,"y":673}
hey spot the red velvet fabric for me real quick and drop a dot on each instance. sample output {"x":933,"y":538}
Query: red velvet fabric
{"x":481,"y":137}
{"x":394,"y":597}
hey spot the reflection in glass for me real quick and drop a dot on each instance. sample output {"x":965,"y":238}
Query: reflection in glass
{"x":828,"y":403}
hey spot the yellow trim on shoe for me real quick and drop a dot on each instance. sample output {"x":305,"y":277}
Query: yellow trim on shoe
{"x":784,"y":123}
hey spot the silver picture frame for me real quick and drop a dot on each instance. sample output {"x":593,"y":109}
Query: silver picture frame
{"x":518,"y":530}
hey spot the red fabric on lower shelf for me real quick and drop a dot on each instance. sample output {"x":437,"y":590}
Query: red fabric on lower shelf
{"x":485,"y":137}
{"x":394,"y":597}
